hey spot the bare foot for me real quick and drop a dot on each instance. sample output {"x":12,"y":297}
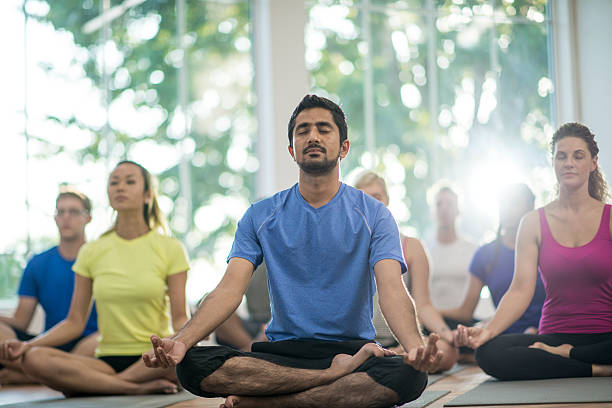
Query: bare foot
{"x":562,"y":350}
{"x":346,"y":364}
{"x":602,"y":370}
{"x":230,"y":402}
{"x":160,"y":386}
{"x":10,"y":376}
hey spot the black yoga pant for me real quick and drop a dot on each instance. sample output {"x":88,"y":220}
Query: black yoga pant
{"x":508,"y":357}
{"x":391,"y":372}
{"x":120,"y":363}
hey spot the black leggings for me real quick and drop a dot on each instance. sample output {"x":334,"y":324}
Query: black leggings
{"x":508,"y":357}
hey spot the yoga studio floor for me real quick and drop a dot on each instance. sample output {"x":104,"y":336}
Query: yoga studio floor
{"x":457,"y":384}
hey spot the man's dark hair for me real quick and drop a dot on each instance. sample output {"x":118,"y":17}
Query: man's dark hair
{"x":314,"y":101}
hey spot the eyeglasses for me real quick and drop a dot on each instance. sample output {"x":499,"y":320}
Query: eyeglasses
{"x":73,"y":212}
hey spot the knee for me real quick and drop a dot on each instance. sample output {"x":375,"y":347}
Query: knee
{"x":449,"y":357}
{"x":394,"y":374}
{"x":199,"y":363}
{"x":414,"y":383}
{"x":186,"y":370}
{"x":491,"y":358}
{"x":6,"y":332}
{"x":35,"y":360}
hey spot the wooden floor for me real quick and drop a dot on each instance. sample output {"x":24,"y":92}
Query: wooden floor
{"x":457,"y":383}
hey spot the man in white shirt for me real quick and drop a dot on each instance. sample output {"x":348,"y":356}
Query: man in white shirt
{"x":450,"y":254}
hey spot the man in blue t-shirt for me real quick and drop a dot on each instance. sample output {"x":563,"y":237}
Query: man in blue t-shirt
{"x":48,"y":280}
{"x":328,"y":247}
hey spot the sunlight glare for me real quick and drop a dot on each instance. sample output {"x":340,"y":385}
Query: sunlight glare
{"x":487,"y":177}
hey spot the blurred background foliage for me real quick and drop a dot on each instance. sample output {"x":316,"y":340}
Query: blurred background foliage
{"x":460,"y":89}
{"x":454,"y":89}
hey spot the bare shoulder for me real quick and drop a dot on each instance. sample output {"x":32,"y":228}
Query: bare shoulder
{"x":413,"y":249}
{"x":530,"y":226}
{"x":606,"y":204}
{"x":532,"y":217}
{"x":413,"y":244}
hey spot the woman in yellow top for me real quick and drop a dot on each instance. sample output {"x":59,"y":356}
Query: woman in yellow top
{"x":417,"y":281}
{"x":136,"y":274}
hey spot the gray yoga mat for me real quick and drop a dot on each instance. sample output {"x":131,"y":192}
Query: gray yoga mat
{"x":132,"y":401}
{"x":554,"y":391}
{"x":425,"y":399}
{"x":437,"y":377}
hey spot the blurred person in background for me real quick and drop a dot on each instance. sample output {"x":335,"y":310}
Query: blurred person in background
{"x":449,"y":253}
{"x":137,"y":274}
{"x":48,"y":280}
{"x":416,"y":280}
{"x":493,"y":264}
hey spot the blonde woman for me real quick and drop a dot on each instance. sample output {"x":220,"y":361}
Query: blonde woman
{"x":136,"y":274}
{"x":416,"y":280}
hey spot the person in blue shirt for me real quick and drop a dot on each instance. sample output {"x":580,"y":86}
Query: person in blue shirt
{"x":493,"y":264}
{"x":328,"y":247}
{"x":48,"y":280}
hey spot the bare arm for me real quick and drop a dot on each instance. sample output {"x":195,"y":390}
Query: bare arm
{"x":213,"y":311}
{"x":23,"y":314}
{"x":396,"y":304}
{"x":516,"y":300}
{"x":465,"y":312}
{"x":71,"y":327}
{"x":232,"y":331}
{"x":418,"y":267}
{"x":219,"y":304}
{"x":178,"y":305}
{"x":398,"y":309}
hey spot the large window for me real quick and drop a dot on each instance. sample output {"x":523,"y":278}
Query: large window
{"x":167,"y":84}
{"x":455,"y":89}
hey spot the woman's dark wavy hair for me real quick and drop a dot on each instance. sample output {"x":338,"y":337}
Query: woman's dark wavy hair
{"x":598,"y":188}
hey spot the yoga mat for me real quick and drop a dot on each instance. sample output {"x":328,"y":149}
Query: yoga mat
{"x":425,"y":399}
{"x":132,"y":401}
{"x":437,"y":377}
{"x":554,"y":391}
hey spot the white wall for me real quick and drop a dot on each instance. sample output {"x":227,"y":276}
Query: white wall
{"x":281,"y":80}
{"x":594,"y":46}
{"x":582,"y":31}
{"x":582,"y":58}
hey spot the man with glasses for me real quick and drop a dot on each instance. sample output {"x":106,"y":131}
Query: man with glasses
{"x":48,"y":279}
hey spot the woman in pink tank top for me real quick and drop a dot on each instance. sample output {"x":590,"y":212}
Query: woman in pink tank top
{"x":569,"y":243}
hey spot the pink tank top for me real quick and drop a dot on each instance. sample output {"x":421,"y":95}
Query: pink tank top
{"x":578,"y":282}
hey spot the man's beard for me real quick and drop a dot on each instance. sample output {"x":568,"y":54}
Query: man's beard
{"x":316,"y":167}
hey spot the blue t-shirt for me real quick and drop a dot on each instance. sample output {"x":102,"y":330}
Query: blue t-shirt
{"x":499,"y":279}
{"x":320,"y":261}
{"x":49,"y":278}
